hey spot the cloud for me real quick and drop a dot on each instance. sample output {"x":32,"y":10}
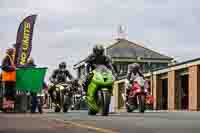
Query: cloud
{"x":67,"y":30}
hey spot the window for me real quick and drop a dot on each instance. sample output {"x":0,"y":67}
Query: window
{"x":143,"y":67}
{"x":125,"y":68}
{"x":146,"y":68}
{"x":118,"y":68}
{"x":161,"y":65}
{"x":122,"y":69}
{"x":154,"y":66}
{"x":82,"y":72}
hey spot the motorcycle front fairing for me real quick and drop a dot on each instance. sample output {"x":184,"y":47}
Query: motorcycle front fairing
{"x":102,"y":80}
{"x":103,"y":77}
{"x":139,"y":86}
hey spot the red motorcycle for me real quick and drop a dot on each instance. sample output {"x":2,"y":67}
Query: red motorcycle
{"x":136,"y":97}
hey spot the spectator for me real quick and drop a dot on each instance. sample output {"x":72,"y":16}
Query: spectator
{"x":30,"y":63}
{"x":9,"y":74}
{"x":34,"y":100}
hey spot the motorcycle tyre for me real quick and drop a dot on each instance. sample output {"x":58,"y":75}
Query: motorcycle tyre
{"x":106,"y":97}
{"x":141,"y":105}
{"x":128,"y":109}
{"x":57,"y":109}
{"x":65,"y":108}
{"x":91,"y":112}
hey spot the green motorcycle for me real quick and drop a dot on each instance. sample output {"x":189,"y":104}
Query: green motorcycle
{"x":100,"y":90}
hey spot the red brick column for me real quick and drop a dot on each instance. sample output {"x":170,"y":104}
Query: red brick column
{"x":194,"y":88}
{"x":171,"y":90}
{"x":157,"y":91}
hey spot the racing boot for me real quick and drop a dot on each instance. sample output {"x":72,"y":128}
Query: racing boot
{"x":90,"y":98}
{"x":91,"y":103}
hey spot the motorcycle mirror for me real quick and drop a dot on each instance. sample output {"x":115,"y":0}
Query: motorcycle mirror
{"x":85,"y":64}
{"x":126,"y":81}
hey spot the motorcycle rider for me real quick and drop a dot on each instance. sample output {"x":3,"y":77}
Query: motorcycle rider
{"x":134,"y":70}
{"x":98,"y":57}
{"x":59,"y":75}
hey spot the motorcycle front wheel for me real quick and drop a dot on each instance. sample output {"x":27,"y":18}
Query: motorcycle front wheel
{"x":57,"y":109}
{"x":105,"y":103}
{"x":65,"y":108}
{"x":67,"y":103}
{"x":141,"y":103}
{"x":129,"y":109}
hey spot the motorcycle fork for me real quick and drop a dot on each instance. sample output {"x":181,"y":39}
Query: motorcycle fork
{"x":133,"y":100}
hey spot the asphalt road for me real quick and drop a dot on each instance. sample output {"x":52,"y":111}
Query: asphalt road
{"x":150,"y":122}
{"x":27,"y":123}
{"x":80,"y":122}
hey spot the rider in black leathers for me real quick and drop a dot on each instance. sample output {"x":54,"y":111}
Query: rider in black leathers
{"x":59,"y":75}
{"x":98,"y":57}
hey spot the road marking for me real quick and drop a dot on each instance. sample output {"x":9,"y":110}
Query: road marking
{"x":100,"y":130}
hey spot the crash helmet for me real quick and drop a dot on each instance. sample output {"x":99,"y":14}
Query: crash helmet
{"x":62,"y":65}
{"x":134,"y":67}
{"x":98,"y":49}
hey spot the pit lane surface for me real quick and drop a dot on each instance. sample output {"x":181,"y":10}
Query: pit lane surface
{"x":149,"y":122}
{"x":26,"y":123}
{"x":80,"y":122}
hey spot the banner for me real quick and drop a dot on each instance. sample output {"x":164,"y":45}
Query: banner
{"x":24,"y":40}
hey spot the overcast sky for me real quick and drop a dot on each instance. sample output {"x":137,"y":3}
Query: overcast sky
{"x":67,"y":29}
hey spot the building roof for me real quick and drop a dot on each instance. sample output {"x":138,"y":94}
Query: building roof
{"x":127,"y":49}
{"x":178,"y":66}
{"x":181,"y":63}
{"x":122,"y":48}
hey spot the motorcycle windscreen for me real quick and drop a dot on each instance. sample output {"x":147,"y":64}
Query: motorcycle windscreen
{"x":103,"y":74}
{"x":140,"y":81}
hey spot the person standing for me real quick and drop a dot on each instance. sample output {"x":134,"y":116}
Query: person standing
{"x":9,"y":74}
{"x":34,"y":101}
